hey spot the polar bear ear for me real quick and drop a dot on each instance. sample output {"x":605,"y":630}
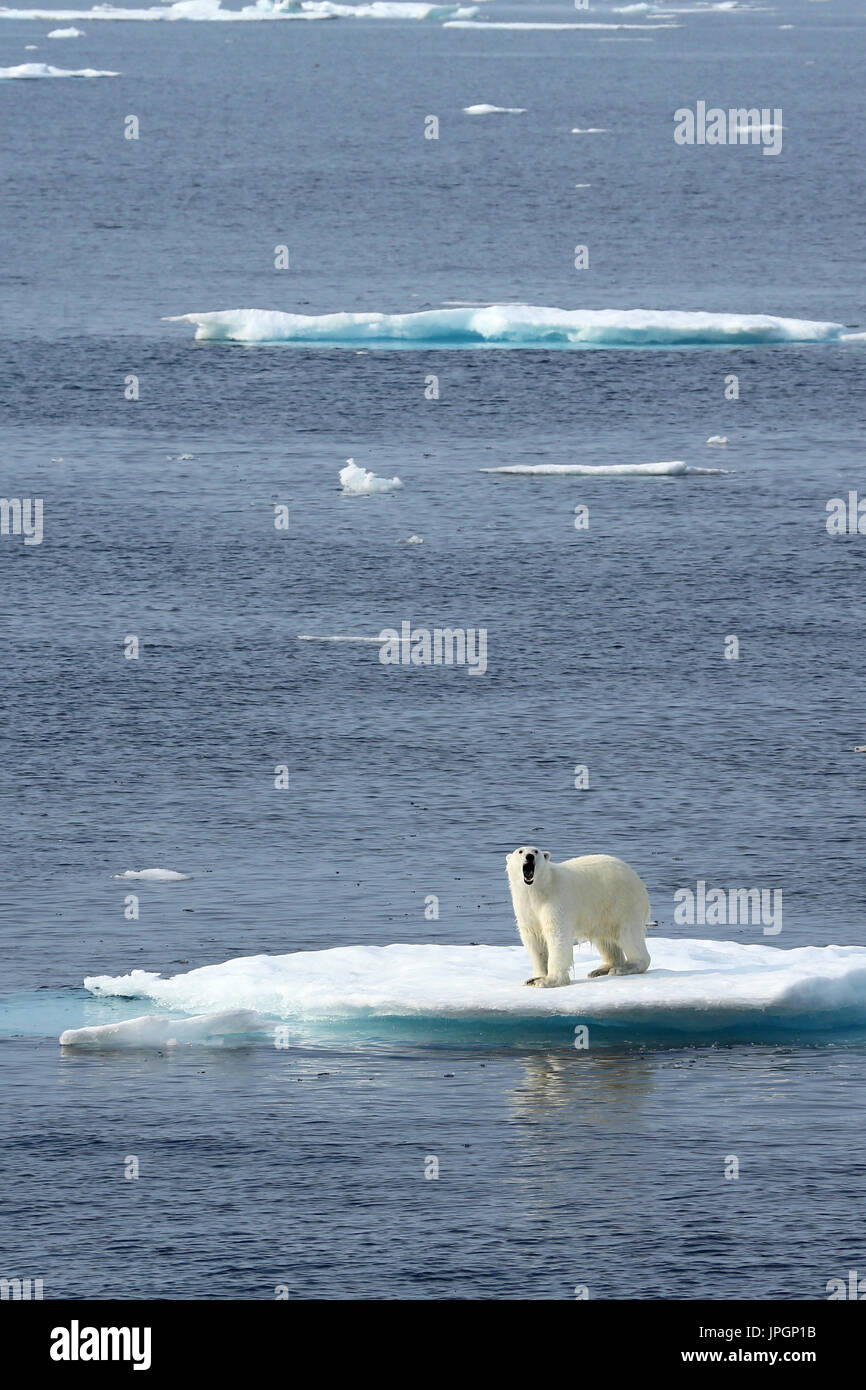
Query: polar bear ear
{"x":546,"y":855}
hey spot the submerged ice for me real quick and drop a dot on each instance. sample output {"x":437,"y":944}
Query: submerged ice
{"x":675,"y":469}
{"x":157,"y":1030}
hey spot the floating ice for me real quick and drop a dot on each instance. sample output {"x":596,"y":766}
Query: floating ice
{"x":718,"y":441}
{"x":526,"y":24}
{"x":65,"y":34}
{"x":483,"y":110}
{"x":414,"y":540}
{"x":155,"y":1030}
{"x":27,"y":70}
{"x":338,"y":637}
{"x":675,"y":469}
{"x":360,"y":482}
{"x":204,"y":11}
{"x":154,"y":875}
{"x":668,"y":11}
{"x":692,"y":986}
{"x":590,"y":130}
{"x":511,"y":325}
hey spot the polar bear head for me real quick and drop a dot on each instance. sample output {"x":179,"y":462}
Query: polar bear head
{"x":527,"y":864}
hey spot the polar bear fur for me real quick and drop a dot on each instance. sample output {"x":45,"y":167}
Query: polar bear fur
{"x":594,"y":898}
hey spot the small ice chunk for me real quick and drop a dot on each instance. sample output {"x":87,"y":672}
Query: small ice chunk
{"x":154,"y":875}
{"x":484,"y":110}
{"x":29,"y":70}
{"x":360,"y":482}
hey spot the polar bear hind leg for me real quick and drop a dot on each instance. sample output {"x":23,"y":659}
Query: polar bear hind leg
{"x":612,"y":957}
{"x":632,"y":952}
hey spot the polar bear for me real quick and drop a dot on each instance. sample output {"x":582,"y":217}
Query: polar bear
{"x":593,"y":898}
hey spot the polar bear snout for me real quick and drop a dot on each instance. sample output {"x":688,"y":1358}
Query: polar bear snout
{"x":526,"y":863}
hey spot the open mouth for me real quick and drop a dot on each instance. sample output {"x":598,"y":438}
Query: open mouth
{"x":528,"y":873}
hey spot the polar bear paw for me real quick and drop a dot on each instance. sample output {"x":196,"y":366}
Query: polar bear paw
{"x":602,"y":970}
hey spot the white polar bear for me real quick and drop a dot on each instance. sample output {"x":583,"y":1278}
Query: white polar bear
{"x":593,"y":898}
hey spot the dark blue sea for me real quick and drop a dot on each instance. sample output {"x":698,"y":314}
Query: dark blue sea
{"x":304,"y":1166}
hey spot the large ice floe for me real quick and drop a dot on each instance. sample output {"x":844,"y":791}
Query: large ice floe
{"x":205,"y":11}
{"x":706,"y":989}
{"x":512,"y":326}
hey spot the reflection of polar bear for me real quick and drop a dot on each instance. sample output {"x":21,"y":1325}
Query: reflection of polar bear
{"x":593,"y":898}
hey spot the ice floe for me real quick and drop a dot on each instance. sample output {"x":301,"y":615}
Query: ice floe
{"x":693,"y":986}
{"x":206,"y":11}
{"x":484,"y":110}
{"x":34,"y":70}
{"x":512,"y":325}
{"x":154,"y":875}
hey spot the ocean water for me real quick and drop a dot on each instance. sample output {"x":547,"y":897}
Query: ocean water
{"x":305,"y":1166}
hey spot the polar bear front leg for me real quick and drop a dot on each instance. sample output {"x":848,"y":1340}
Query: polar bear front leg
{"x":560,"y":953}
{"x":536,"y":948}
